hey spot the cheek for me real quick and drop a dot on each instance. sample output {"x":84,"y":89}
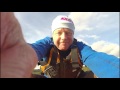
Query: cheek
{"x":71,"y":40}
{"x":56,"y":41}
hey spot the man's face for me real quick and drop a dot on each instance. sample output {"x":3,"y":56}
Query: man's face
{"x":63,"y":38}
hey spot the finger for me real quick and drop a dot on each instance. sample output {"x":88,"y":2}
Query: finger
{"x":11,"y":32}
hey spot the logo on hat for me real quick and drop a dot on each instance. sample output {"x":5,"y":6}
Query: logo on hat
{"x":67,"y":19}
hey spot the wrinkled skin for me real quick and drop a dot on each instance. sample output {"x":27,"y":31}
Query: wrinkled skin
{"x":63,"y":38}
{"x":18,"y":59}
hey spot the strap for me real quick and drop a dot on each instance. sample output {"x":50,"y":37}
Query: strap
{"x":76,"y":57}
{"x":54,"y":56}
{"x":48,"y":62}
{"x":75,"y":54}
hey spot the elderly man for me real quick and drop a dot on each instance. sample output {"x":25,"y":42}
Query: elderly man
{"x":63,"y":54}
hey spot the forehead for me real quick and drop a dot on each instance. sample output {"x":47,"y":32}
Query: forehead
{"x":63,"y":29}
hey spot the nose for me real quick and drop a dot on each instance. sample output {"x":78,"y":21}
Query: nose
{"x":63,"y":35}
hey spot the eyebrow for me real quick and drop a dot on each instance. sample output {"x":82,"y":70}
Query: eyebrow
{"x":59,"y":29}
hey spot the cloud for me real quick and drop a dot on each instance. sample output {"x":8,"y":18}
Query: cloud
{"x":81,"y":20}
{"x":89,"y":25}
{"x":34,"y":26}
{"x":89,"y":36}
{"x":95,"y":20}
{"x":93,"y":26}
{"x":81,"y":40}
{"x":107,"y":47}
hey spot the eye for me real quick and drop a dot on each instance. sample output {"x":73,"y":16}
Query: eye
{"x":68,"y":33}
{"x":58,"y":33}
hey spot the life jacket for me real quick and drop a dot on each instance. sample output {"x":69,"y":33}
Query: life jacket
{"x":58,"y":67}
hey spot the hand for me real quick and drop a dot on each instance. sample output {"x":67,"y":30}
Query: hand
{"x":18,"y":59}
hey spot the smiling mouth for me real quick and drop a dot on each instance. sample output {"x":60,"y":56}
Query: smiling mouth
{"x":64,"y":43}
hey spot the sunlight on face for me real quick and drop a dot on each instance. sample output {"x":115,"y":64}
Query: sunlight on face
{"x":63,"y":38}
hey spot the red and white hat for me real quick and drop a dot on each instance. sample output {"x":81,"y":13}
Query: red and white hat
{"x":62,"y":21}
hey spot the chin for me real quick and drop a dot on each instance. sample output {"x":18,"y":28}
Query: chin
{"x":63,"y":49}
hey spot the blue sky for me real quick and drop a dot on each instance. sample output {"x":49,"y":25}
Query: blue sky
{"x":100,"y":30}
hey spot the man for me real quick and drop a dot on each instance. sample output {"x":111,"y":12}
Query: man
{"x":23,"y":58}
{"x":63,"y":42}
